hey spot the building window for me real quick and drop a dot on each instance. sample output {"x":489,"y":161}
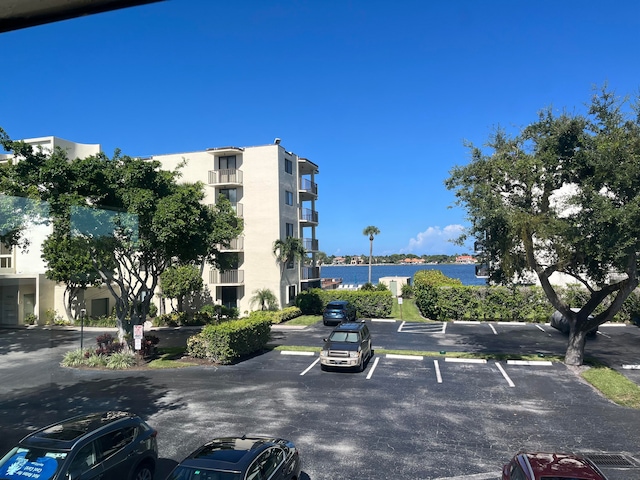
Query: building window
{"x":288,"y":166}
{"x":6,"y":256}
{"x":225,"y":163}
{"x":99,"y":307}
{"x":230,"y":194}
{"x":289,"y":229}
{"x":288,"y":198}
{"x":292,"y":293}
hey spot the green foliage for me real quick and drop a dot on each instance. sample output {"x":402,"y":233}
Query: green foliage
{"x":288,"y":250}
{"x":74,"y":358}
{"x":407,"y":291}
{"x":179,"y":281}
{"x":265,"y":299}
{"x":369,"y":304}
{"x":120,"y":361}
{"x":31,"y":319}
{"x":368,"y":287}
{"x":226,"y":342}
{"x":498,"y":303}
{"x":434,"y":278}
{"x":276,"y":316}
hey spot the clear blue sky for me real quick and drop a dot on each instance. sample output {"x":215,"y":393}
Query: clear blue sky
{"x":379,"y":94}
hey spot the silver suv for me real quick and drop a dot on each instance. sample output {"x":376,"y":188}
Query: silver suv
{"x":348,"y":346}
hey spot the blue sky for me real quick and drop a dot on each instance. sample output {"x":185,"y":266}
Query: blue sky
{"x":380,"y":95}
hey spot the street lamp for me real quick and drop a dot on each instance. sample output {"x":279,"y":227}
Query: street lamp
{"x":83,"y":311}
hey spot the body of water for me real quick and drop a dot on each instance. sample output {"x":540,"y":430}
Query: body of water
{"x":359,"y":274}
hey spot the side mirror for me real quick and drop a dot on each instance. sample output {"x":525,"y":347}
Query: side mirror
{"x":325,"y":339}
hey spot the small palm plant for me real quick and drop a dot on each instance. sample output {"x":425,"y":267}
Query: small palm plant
{"x":265,"y":298}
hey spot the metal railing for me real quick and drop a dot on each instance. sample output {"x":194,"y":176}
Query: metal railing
{"x":226,"y":175}
{"x":310,"y":244}
{"x":235,"y":244}
{"x":310,"y":273}
{"x":227,"y":277}
{"x":308,"y":186}
{"x":308,"y":215}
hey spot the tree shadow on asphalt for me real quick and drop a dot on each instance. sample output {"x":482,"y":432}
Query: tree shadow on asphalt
{"x":29,"y":409}
{"x":32,"y":340}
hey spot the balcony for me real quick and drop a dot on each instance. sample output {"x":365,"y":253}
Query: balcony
{"x":308,"y":216}
{"x":310,"y":244}
{"x":236,"y":207}
{"x":310,"y":273}
{"x":227,"y":176}
{"x":308,"y":189}
{"x":230,"y":277}
{"x":237,"y":244}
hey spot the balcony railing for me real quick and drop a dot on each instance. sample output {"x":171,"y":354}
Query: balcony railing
{"x":307,"y":185}
{"x":225,"y":176}
{"x":235,"y":244}
{"x":310,"y":273}
{"x":236,"y":207}
{"x":310,"y":244}
{"x":233,"y":277}
{"x":308,"y":215}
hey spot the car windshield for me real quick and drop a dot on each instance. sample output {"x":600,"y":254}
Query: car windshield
{"x":335,"y":306}
{"x":190,"y":473}
{"x":349,"y":337}
{"x":21,"y":463}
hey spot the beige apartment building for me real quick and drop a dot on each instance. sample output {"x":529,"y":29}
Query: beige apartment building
{"x":273,"y":190}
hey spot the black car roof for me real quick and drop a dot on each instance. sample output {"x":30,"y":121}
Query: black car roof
{"x":63,"y":435}
{"x":228,"y":453}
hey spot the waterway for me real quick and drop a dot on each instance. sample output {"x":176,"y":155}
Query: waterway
{"x":359,"y":274}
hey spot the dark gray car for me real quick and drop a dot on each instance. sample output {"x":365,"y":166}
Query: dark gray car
{"x":348,"y":346}
{"x":560,"y":322}
{"x":118,"y":445}
{"x":338,"y":311}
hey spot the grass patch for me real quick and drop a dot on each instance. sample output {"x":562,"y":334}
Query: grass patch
{"x":304,"y":320}
{"x":613,"y":385}
{"x":167,"y":358}
{"x":407,"y":311}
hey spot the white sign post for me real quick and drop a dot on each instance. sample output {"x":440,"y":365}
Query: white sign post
{"x":138,"y":335}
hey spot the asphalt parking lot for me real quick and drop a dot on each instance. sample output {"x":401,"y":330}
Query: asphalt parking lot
{"x":410,"y":418}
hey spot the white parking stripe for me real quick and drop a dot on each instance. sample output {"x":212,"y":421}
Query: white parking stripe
{"x":400,"y":327}
{"x":444,"y":327}
{"x":530,"y":362}
{"x":403,"y":357}
{"x":310,"y":366}
{"x":295,"y":352}
{"x":631,"y":367}
{"x":493,"y":328}
{"x":504,"y":374}
{"x":375,"y":364}
{"x":540,"y":328}
{"x":436,"y":365}
{"x":465,"y":360}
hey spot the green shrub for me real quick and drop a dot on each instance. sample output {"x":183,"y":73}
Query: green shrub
{"x":369,"y":304}
{"x":120,"y":361}
{"x":276,"y":316}
{"x":310,"y":301}
{"x":31,"y":319}
{"x":228,"y":341}
{"x":75,"y":358}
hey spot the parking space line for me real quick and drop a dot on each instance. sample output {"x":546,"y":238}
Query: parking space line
{"x":400,"y":327}
{"x":493,"y":328}
{"x":603,"y":334}
{"x":310,"y":366}
{"x":631,"y":367}
{"x":436,"y":365}
{"x":403,"y":357}
{"x":504,"y":374}
{"x":295,"y":352}
{"x":530,"y":362}
{"x":465,"y":360}
{"x":540,"y":328}
{"x":444,"y":327}
{"x":372,"y":369}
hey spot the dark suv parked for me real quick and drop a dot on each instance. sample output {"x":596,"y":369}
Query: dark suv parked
{"x":338,"y":311}
{"x":349,"y":345}
{"x":118,"y":445}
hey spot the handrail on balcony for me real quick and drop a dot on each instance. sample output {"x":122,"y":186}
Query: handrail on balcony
{"x":310,"y":244}
{"x":308,"y":215}
{"x":308,"y":185}
{"x":228,"y":276}
{"x":235,"y":244}
{"x":310,"y":273}
{"x":225,"y":175}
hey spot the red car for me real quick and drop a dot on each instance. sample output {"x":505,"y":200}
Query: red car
{"x":550,"y":466}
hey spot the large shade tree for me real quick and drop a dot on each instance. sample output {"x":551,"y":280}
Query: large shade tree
{"x":561,"y":196}
{"x":371,"y":232}
{"x":133,"y":218}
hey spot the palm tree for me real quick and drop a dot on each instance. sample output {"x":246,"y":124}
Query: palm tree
{"x":371,"y":232}
{"x":288,"y":250}
{"x":265,"y":298}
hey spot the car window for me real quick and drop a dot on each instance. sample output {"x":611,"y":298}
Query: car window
{"x":338,"y":337}
{"x":21,"y":463}
{"x":517,"y":473}
{"x":84,"y":460}
{"x":115,"y":441}
{"x":274,"y":458}
{"x":352,"y":337}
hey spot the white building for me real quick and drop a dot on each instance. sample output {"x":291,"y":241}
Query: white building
{"x":273,"y":190}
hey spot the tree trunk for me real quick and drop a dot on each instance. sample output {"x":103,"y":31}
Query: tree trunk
{"x":575,"y":348}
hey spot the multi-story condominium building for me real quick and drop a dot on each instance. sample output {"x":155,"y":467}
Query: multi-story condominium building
{"x":272,"y":190}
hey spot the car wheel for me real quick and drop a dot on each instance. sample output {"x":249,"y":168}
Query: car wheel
{"x":323,"y":367}
{"x":144,"y":472}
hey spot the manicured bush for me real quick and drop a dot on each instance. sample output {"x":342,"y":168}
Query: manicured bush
{"x":228,"y":341}
{"x":278,"y":316}
{"x":310,"y":301}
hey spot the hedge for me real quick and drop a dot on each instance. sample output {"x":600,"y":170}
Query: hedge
{"x":369,"y":304}
{"x":498,"y":303}
{"x":277,"y":316}
{"x":226,"y":342}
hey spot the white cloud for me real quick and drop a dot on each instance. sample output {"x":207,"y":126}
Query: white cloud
{"x":435,"y":241}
